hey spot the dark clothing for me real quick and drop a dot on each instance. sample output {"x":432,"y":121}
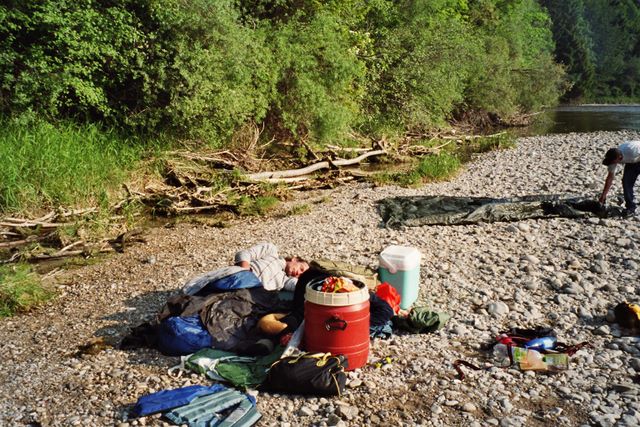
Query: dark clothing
{"x":629,"y":178}
{"x":380,"y":311}
{"x":229,"y":317}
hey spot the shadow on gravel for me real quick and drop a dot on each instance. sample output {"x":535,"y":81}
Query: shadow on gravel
{"x":139,"y":309}
{"x":446,"y":210}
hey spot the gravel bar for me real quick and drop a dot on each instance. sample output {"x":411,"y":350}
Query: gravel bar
{"x":563,"y":273}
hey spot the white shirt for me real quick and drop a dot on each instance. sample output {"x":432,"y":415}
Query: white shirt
{"x":630,"y":154}
{"x":265,"y":262}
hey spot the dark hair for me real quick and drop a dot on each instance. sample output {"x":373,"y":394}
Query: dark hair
{"x":295,"y":258}
{"x":611,"y":156}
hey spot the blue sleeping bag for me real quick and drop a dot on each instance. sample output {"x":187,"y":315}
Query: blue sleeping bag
{"x":244,"y":279}
{"x":177,"y":336}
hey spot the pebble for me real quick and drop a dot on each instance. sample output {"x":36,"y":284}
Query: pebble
{"x":497,"y":308}
{"x":468,"y":407}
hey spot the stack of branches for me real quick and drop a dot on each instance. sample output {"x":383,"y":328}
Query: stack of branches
{"x":192,"y":182}
{"x":45,"y":238}
{"x":195,"y":182}
{"x":187,"y":186}
{"x":432,"y":143}
{"x":330,"y":160}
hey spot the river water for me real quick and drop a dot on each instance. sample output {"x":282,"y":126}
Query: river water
{"x":587,"y":118}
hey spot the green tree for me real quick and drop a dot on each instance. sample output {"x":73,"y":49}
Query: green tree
{"x":514,"y":71}
{"x":615,"y":26}
{"x":319,"y":78}
{"x":419,"y":62}
{"x":574,"y":47}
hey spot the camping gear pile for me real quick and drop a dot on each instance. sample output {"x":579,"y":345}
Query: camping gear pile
{"x":230,"y":329}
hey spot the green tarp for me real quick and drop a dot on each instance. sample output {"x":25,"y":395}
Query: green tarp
{"x":446,"y":210}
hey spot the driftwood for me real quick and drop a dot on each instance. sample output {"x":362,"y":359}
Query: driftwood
{"x":312,"y":168}
{"x":189,"y":187}
{"x":33,"y":239}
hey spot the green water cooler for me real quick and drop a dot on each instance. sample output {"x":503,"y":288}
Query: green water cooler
{"x":400,"y":267}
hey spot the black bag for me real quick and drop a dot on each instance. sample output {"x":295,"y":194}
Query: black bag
{"x":628,"y":315}
{"x":309,"y":373}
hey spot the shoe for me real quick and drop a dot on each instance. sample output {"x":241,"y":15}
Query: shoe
{"x":628,"y":213}
{"x":259,"y":348}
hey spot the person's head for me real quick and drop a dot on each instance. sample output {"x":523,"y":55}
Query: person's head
{"x":613,"y":155}
{"x":295,"y":266}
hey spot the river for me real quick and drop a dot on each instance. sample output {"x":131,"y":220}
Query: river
{"x":588,"y":118}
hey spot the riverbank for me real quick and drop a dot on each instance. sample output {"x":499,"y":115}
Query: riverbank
{"x":563,"y":273}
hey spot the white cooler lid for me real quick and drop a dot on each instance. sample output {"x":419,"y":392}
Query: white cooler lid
{"x":402,"y":258}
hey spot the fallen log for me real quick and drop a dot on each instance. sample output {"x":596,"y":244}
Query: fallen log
{"x":312,"y":168}
{"x":30,"y":239}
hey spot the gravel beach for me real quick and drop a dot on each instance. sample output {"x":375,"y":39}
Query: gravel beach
{"x":563,"y":273}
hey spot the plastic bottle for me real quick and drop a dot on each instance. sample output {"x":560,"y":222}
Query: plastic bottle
{"x":556,"y":361}
{"x":501,"y":355}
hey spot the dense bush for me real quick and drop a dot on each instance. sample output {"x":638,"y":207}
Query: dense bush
{"x":146,"y":65}
{"x":303,"y":69}
{"x":419,"y":64}
{"x":319,"y":82}
{"x":514,"y":71}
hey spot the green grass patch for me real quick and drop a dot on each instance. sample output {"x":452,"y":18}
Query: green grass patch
{"x":484,"y":144}
{"x":428,"y":169}
{"x":256,"y":205}
{"x":48,"y":165}
{"x":299,"y":209}
{"x":20,"y":290}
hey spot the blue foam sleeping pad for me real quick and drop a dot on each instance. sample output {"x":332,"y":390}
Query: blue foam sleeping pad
{"x":168,"y":399}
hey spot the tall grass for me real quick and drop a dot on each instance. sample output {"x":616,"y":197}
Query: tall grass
{"x":46,"y":165}
{"x":20,"y":290}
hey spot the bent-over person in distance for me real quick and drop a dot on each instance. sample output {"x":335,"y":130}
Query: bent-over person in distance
{"x":627,"y":153}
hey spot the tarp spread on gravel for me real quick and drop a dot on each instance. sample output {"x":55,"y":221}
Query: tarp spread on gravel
{"x":445,"y":210}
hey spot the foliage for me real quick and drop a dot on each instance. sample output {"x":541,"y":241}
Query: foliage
{"x":419,"y":62}
{"x":319,"y":78}
{"x":615,"y":33}
{"x":20,"y":290}
{"x":255,"y":206}
{"x":514,"y":70}
{"x":300,"y":209}
{"x":573,"y":44}
{"x":484,"y":144}
{"x":303,"y":69}
{"x":598,"y":41}
{"x":148,"y":65}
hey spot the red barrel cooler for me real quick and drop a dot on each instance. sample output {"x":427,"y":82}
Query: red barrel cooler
{"x":337,"y":323}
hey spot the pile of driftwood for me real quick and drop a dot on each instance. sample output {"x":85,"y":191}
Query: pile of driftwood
{"x":194,"y":185}
{"x":43,"y":238}
{"x":191,"y":184}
